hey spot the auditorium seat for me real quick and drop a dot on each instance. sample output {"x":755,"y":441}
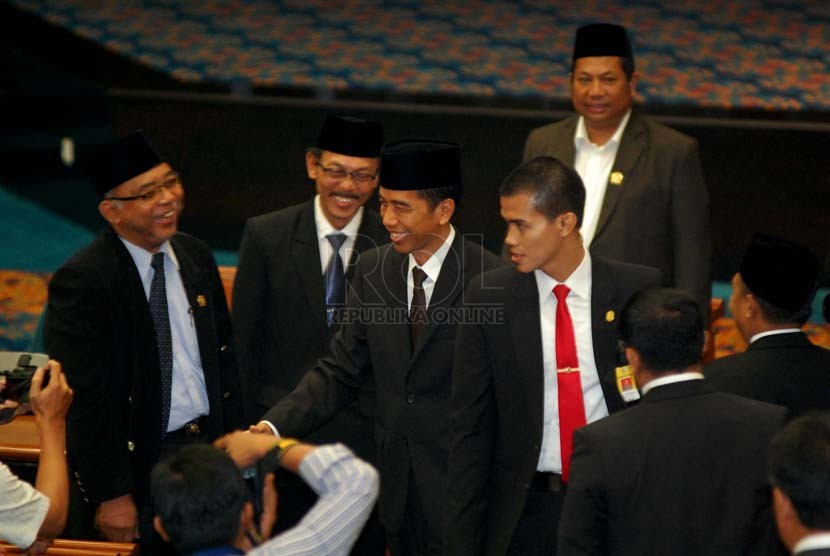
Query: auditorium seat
{"x":227,"y":273}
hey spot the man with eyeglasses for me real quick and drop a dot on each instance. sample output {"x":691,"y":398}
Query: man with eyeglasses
{"x":290,"y":284}
{"x":140,"y":322}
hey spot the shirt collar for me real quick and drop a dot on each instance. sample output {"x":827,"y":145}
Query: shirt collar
{"x":812,"y":542}
{"x":433,"y":265}
{"x":143,"y":259}
{"x":760,"y":335}
{"x":581,"y":136}
{"x":670,"y":379}
{"x":579,"y":282}
{"x":325,"y":228}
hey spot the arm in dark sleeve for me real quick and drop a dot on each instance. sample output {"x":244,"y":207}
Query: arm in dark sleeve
{"x":583,"y":529}
{"x":691,"y":229}
{"x":248,"y":314}
{"x":472,"y":430}
{"x":79,"y":332}
{"x":333,"y":382}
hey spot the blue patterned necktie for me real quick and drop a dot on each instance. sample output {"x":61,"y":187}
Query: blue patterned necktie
{"x":335,"y":278}
{"x":161,"y":322}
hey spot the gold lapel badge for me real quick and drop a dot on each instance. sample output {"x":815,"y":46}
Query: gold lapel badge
{"x":201,"y":300}
{"x":610,"y":316}
{"x":616,"y":178}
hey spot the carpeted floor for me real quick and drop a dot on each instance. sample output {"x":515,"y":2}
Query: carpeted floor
{"x":756,"y":54}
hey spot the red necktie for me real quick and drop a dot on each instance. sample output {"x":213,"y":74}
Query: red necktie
{"x":569,"y":383}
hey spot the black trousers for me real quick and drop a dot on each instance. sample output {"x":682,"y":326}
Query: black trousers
{"x":535,"y":534}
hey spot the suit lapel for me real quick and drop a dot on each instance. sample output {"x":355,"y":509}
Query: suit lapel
{"x":632,"y":143}
{"x":564,"y":148}
{"x":447,"y":289}
{"x":604,"y":331}
{"x":393,"y":292}
{"x":522,"y":314}
{"x":305,"y":256}
{"x":365,"y":240}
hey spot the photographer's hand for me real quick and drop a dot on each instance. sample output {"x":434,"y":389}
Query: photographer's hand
{"x":50,"y":405}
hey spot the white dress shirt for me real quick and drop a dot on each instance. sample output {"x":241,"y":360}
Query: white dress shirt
{"x":325,"y":228}
{"x":812,"y":542}
{"x":347,"y":488}
{"x":432,"y":268}
{"x":670,"y":379}
{"x":579,"y":307}
{"x":593,"y":163}
{"x":188,"y":394}
{"x":760,"y":335}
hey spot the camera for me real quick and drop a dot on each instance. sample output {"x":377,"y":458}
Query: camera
{"x":16,"y":370}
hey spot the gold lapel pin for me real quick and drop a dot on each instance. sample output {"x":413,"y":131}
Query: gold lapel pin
{"x":609,"y":316}
{"x":616,"y":178}
{"x":201,"y":301}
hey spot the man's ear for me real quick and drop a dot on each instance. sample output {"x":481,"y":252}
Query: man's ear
{"x":246,"y":517}
{"x":311,"y":167}
{"x":108,"y":210}
{"x":633,"y":358}
{"x":159,"y":527}
{"x":446,"y":208}
{"x":567,"y":223}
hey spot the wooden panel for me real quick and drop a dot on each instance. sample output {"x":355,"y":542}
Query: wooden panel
{"x":227,"y":274}
{"x":19,"y":440}
{"x":65,"y":547}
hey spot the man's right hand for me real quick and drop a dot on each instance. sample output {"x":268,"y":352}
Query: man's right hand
{"x":117,"y":519}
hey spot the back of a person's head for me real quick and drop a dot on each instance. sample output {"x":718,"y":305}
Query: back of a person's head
{"x":198,"y":493}
{"x":664,"y":327}
{"x":554,"y":187}
{"x":799,"y":465}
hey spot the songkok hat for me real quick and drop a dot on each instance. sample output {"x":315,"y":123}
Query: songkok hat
{"x":780,"y":272}
{"x":420,"y":164}
{"x":125,"y":159}
{"x":602,"y":39}
{"x":350,"y":136}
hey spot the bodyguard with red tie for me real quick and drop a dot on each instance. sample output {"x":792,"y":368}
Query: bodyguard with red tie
{"x":523,"y":383}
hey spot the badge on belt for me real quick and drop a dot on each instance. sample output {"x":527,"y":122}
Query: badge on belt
{"x":626,"y":384}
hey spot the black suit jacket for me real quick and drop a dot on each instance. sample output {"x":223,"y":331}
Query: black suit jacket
{"x":784,"y":369}
{"x":98,"y":325}
{"x":659,"y":215}
{"x":682,"y":473}
{"x":413,"y":382}
{"x":498,"y":398}
{"x":279,"y":315}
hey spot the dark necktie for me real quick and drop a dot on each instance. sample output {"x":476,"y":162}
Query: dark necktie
{"x":161,"y":322}
{"x":568,"y":380}
{"x":335,"y":278}
{"x":418,"y":309}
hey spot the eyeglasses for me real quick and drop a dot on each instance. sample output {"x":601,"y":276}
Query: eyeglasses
{"x":338,"y":174}
{"x":152,"y":194}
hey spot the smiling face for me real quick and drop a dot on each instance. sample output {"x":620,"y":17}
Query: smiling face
{"x":146,"y":223}
{"x":341,"y":198}
{"x":414,"y":225}
{"x":600,"y":91}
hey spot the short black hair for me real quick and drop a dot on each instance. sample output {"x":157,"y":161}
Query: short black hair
{"x":435,"y":195}
{"x":555,"y":187}
{"x":198,"y":493}
{"x":663,"y":325}
{"x":777,"y":315}
{"x":627,"y":65}
{"x":798,"y":463}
